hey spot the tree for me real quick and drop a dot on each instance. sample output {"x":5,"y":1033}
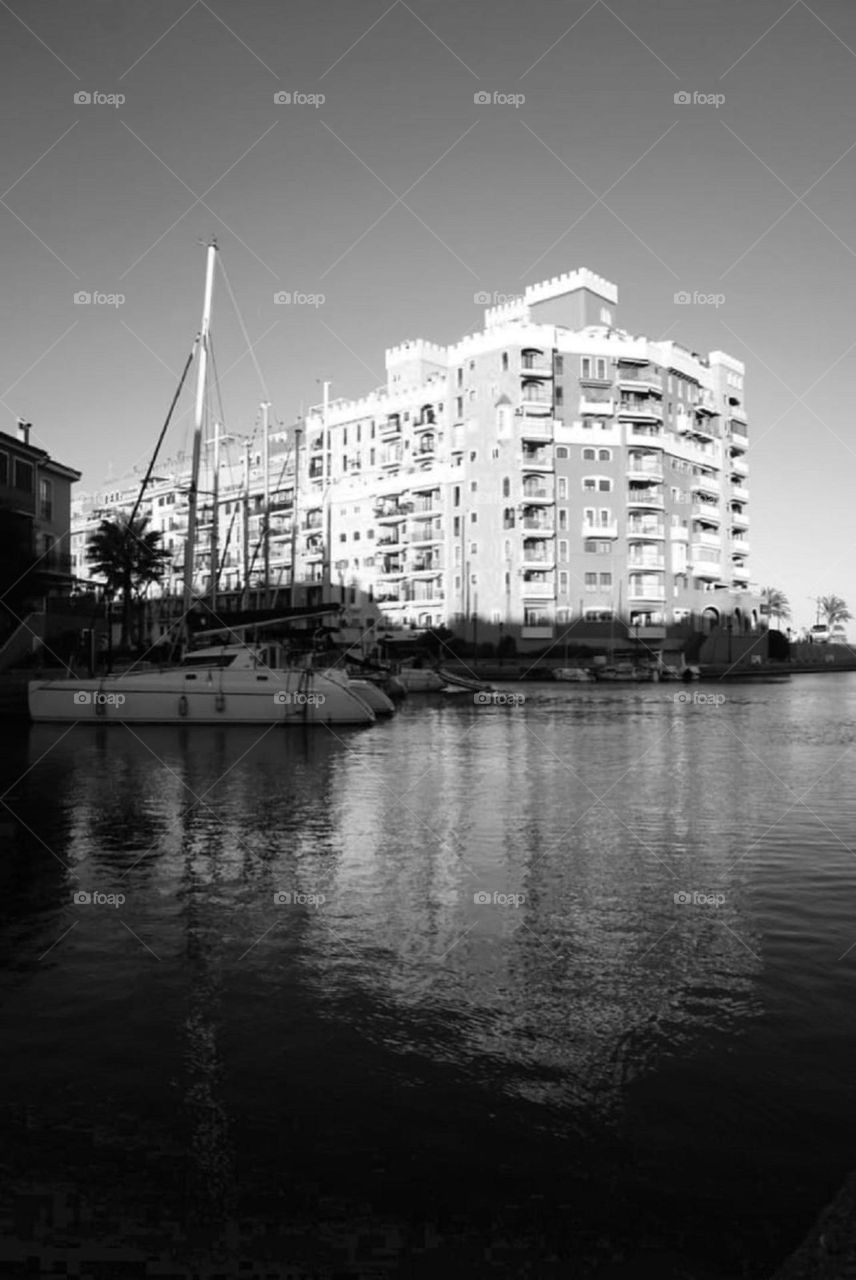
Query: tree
{"x":129,"y":559}
{"x":778,"y":606}
{"x":833,"y":609}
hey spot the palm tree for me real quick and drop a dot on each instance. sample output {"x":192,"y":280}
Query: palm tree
{"x":129,"y":559}
{"x":778,"y":606}
{"x":834,"y":609}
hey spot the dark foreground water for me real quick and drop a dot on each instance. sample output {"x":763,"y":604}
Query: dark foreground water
{"x":582,"y":1076}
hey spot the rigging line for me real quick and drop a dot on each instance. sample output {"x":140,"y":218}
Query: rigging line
{"x":246,"y":336}
{"x":164,"y":429}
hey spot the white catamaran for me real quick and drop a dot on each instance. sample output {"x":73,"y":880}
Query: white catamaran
{"x":226,"y":684}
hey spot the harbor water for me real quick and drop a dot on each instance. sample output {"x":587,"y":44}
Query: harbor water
{"x":563,"y":984}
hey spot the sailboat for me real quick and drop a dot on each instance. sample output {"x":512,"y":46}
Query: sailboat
{"x":221,"y":684}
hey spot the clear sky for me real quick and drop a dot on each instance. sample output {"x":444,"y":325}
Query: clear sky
{"x":400,"y":197}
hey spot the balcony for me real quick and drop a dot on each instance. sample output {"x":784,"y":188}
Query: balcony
{"x":596,"y":407}
{"x":389,"y":540}
{"x":427,"y":448}
{"x":641,"y":410}
{"x":386,"y":513}
{"x":710,"y":540}
{"x":392,"y":427}
{"x":706,"y":511}
{"x":679,"y":533}
{"x":544,"y":527}
{"x":639,"y":468}
{"x":539,"y":429}
{"x":649,"y":562}
{"x":739,"y":493}
{"x":645,"y":529}
{"x":608,"y":530}
{"x":652,"y":590}
{"x":537,"y":460}
{"x":706,"y":405}
{"x":740,"y":518}
{"x":424,"y":569}
{"x":536,"y":493}
{"x":535,"y":558}
{"x":638,"y":379}
{"x":738,"y":429}
{"x":706,"y":484}
{"x":739,"y":571}
{"x":705,"y":562}
{"x":536,"y":405}
{"x":538,"y":590}
{"x":739,"y":546}
{"x":645,"y":496}
{"x":423,"y":533}
{"x":535,"y":369}
{"x":391,"y":460}
{"x":739,"y":465}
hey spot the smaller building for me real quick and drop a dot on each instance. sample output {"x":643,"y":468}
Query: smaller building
{"x":35,"y":519}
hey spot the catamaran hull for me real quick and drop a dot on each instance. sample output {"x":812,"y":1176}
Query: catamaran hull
{"x":287,"y":698}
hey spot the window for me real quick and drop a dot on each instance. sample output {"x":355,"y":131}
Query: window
{"x":460,"y":377}
{"x":456,"y":525}
{"x":590,"y":545}
{"x":343,"y":537}
{"x":563,"y":580}
{"x":474,"y":548}
{"x":559,"y":364}
{"x":563,"y":486}
{"x":508,"y":518}
{"x":505,"y":362}
{"x":604,"y":455}
{"x":23,"y":476}
{"x":46,"y":499}
{"x":563,"y":550}
{"x":356,"y":535}
{"x":604,"y":548}
{"x":605,"y":486}
{"x":560,"y":395}
{"x":562,"y":452}
{"x":601,"y":368}
{"x":586,"y":366}
{"x":605,"y":517}
{"x":606,"y":580}
{"x":506,"y":487}
{"x":457,"y":496}
{"x":591,"y":582}
{"x":459,"y":406}
{"x":474,"y":484}
{"x":588,"y":516}
{"x":563,"y":518}
{"x":589,"y":455}
{"x":4,"y":468}
{"x":371,"y":457}
{"x":474,"y":517}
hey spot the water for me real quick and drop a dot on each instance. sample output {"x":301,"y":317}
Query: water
{"x":389,"y":1076}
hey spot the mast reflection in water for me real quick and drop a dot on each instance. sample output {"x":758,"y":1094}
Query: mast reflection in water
{"x":564,"y":974}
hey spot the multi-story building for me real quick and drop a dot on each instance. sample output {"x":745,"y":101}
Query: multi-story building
{"x":547,"y":469}
{"x":35,"y":513}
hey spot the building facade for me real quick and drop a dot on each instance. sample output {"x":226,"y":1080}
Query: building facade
{"x":35,"y":514}
{"x":547,"y":470}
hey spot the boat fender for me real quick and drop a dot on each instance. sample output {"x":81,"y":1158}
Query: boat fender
{"x":182,"y":705}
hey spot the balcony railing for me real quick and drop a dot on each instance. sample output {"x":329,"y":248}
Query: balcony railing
{"x":538,"y":590}
{"x":597,"y":407}
{"x":608,"y":530}
{"x":645,"y":496}
{"x":647,"y":562}
{"x":646,"y":529}
{"x":652,"y":470}
{"x":538,"y":493}
{"x":543,"y":526}
{"x":540,"y":460}
{"x":640,"y":409}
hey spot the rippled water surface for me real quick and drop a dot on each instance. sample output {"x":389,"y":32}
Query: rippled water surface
{"x":304,"y":1032}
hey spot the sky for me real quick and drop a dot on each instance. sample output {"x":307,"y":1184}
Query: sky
{"x":388,"y":196}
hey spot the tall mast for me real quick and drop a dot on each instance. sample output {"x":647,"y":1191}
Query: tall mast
{"x":193,"y":495}
{"x":265,"y":405}
{"x":215,"y":518}
{"x":295,"y":514}
{"x":245,"y":531}
{"x":327,"y":560}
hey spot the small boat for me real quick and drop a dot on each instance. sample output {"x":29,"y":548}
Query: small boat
{"x":224,"y":684}
{"x":464,"y":683}
{"x":573,"y":675}
{"x":420,"y":680}
{"x":366,"y":691}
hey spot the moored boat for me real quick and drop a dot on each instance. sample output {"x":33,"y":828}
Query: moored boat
{"x":234,"y":684}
